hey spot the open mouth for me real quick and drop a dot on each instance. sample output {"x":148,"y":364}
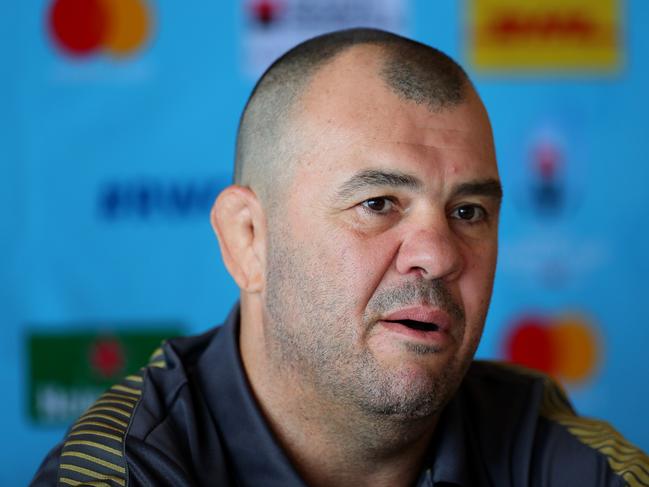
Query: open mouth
{"x":416,"y":325}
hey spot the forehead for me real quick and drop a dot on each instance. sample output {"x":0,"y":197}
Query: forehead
{"x":348,"y":117}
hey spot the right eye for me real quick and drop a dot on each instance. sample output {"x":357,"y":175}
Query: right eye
{"x":381,"y":205}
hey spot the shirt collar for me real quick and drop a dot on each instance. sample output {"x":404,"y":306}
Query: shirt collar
{"x":254,"y":452}
{"x":448,"y":454}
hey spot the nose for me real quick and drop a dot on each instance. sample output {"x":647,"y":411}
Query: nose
{"x":433,"y":251}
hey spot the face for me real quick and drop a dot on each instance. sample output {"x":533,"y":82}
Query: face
{"x":381,"y":258}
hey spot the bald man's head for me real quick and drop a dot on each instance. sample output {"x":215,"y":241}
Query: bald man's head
{"x":268,"y":136}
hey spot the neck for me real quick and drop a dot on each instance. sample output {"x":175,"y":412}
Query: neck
{"x":329,"y":441}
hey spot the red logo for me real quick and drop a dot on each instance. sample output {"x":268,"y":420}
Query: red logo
{"x":265,"y":12}
{"x":107,"y":357}
{"x":565,"y":346}
{"x":547,"y":25}
{"x":85,"y":27}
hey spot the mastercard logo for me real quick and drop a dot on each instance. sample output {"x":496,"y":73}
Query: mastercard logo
{"x":566,"y":347}
{"x":85,"y":27}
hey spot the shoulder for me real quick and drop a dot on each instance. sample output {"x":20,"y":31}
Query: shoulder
{"x":141,"y":430}
{"x":545,"y":439}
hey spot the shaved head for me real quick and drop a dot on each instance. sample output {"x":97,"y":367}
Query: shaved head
{"x":268,"y":139}
{"x":367,"y":199}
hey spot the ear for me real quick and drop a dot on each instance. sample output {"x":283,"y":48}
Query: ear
{"x":239,"y":222}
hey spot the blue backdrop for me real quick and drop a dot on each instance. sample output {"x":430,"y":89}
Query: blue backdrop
{"x":110,"y":164}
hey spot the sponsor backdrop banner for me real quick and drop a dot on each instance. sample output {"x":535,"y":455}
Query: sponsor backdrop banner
{"x":560,"y":35}
{"x":117,"y":131}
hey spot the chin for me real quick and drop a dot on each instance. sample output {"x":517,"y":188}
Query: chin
{"x":409,"y":391}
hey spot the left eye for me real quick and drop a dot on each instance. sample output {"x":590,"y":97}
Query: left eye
{"x":379,"y":205}
{"x":469,"y":213}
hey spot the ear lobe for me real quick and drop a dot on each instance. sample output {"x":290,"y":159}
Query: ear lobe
{"x":240,"y":226}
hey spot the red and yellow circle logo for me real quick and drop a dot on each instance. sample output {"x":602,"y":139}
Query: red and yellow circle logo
{"x":566,"y":347}
{"x":84,"y":27}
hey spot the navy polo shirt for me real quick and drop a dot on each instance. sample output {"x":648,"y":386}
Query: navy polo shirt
{"x":190,"y":419}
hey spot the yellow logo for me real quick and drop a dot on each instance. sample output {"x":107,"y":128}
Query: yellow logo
{"x":554,"y":35}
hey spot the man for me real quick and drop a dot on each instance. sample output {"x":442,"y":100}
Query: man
{"x":362,"y":232}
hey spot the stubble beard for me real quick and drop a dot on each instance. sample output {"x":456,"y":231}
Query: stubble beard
{"x":309,"y":331}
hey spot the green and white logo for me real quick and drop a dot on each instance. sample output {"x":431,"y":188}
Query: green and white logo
{"x":69,"y":369}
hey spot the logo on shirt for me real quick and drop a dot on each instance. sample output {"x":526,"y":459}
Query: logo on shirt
{"x":85,"y":27}
{"x":565,"y":346}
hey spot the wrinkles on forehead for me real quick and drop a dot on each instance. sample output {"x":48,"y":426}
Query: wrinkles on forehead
{"x":432,"y":137}
{"x":348,"y":111}
{"x":381,"y":139}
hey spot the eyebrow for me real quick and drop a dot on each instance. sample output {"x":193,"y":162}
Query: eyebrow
{"x":489,"y":187}
{"x":374,"y":178}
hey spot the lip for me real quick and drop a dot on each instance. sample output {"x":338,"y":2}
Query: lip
{"x":422,"y":313}
{"x":439,"y":337}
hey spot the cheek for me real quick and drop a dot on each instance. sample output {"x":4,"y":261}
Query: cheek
{"x":357,"y":264}
{"x":477,"y":281}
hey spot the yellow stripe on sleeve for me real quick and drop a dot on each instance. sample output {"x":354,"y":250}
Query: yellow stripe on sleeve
{"x":106,"y":417}
{"x":93,"y":444}
{"x":96,"y":433}
{"x":130,"y":390}
{"x":83,"y":424}
{"x":96,"y":460}
{"x":92,"y":474}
